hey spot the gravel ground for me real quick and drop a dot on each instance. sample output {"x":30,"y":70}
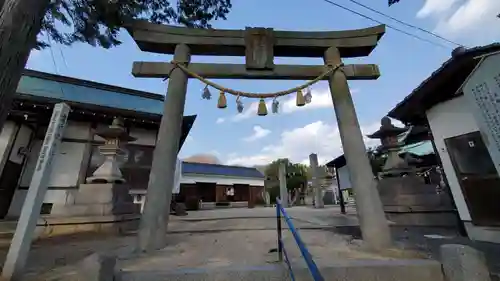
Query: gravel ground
{"x":214,"y":239}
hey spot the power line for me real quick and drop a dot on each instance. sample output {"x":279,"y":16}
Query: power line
{"x":54,"y":62}
{"x":389,"y":26}
{"x":405,"y":23}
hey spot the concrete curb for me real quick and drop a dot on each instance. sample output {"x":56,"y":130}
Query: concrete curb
{"x":221,"y":218}
{"x":244,"y":229}
{"x":357,"y":270}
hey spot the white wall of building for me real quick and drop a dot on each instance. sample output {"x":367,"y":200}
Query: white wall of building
{"x":190,"y":178}
{"x":68,"y":162}
{"x":449,"y":119}
{"x":63,"y":180}
{"x":7,"y":139}
{"x":140,"y":198}
{"x":344,"y":180}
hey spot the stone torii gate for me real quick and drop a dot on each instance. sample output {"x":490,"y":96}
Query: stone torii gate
{"x":259,"y":46}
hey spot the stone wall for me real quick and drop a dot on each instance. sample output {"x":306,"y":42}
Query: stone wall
{"x":409,"y":201}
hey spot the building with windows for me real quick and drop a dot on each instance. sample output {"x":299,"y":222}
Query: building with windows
{"x":93,"y":106}
{"x":460,"y":104}
{"x":209,"y":186}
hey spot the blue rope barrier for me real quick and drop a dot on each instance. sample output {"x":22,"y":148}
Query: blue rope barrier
{"x":311,"y":265}
{"x":287,"y":261}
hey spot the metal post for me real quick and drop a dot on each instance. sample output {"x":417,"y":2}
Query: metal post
{"x":278,"y":227}
{"x":371,"y":215}
{"x":283,"y":188}
{"x":313,"y":161}
{"x":341,"y":196}
{"x":154,"y":220}
{"x":21,"y":242}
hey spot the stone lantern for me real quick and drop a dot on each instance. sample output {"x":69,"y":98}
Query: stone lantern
{"x":103,"y":203}
{"x":115,"y":137}
{"x":407,"y":200}
{"x":388,"y":136}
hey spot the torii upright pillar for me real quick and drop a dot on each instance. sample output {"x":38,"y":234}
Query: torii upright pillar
{"x":373,"y":223}
{"x":260,"y":46}
{"x":153,"y":225}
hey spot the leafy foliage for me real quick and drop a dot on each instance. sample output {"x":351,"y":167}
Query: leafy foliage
{"x":377,"y":160}
{"x":392,"y":2}
{"x":296,"y":174}
{"x":98,"y":22}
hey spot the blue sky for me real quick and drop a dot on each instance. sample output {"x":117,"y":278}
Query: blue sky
{"x":247,"y":139}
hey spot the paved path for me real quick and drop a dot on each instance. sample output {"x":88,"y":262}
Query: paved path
{"x":225,"y":237}
{"x":203,"y":238}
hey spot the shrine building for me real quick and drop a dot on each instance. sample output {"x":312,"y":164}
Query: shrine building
{"x":460,"y":104}
{"x":93,"y":106}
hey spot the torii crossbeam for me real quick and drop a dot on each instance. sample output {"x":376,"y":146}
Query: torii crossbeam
{"x":259,"y":46}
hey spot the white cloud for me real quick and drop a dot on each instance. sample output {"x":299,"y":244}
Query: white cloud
{"x":435,"y":7}
{"x":189,"y":138}
{"x":320,"y":99}
{"x":473,"y":21}
{"x":296,"y":144}
{"x":258,"y":133}
{"x":220,"y":120}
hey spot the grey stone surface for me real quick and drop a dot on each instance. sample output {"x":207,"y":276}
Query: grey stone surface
{"x":156,"y":210}
{"x":368,"y":204}
{"x":318,"y":198}
{"x":463,"y":263}
{"x":361,"y":270}
{"x":98,"y":200}
{"x":408,"y":201}
{"x":283,"y":186}
{"x":429,"y":219}
{"x":97,"y":267}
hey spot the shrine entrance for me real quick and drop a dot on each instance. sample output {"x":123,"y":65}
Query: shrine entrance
{"x":259,"y":46}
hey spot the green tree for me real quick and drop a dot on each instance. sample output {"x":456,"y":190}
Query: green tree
{"x":296,"y":176}
{"x":377,"y":160}
{"x":95,"y":22}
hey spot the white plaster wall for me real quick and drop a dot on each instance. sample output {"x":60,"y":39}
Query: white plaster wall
{"x":66,"y":164}
{"x":450,"y":119}
{"x":77,"y":130}
{"x":190,"y":178}
{"x":6,"y":141}
{"x":344,"y":180}
{"x":51,"y":196}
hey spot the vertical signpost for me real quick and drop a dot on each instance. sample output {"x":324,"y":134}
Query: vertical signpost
{"x":21,"y":242}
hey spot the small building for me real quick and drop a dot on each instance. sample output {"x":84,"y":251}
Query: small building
{"x":460,"y":104}
{"x":206,"y":186}
{"x":93,"y":106}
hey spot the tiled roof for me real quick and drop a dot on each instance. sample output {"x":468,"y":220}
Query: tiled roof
{"x":220,"y":170}
{"x":70,"y":89}
{"x":441,"y":85}
{"x":89,"y":95}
